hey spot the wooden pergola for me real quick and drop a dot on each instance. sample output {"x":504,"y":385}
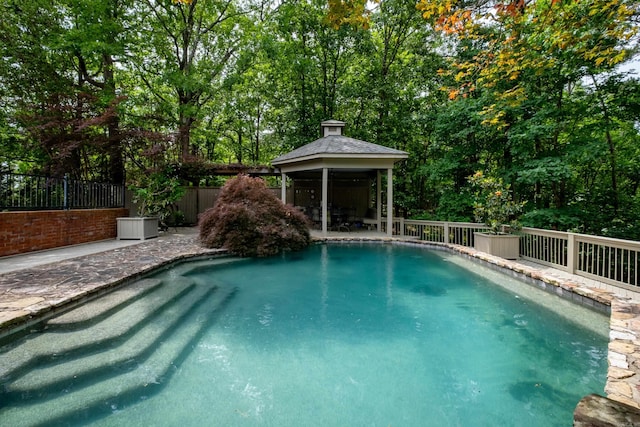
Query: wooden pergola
{"x":336,"y":153}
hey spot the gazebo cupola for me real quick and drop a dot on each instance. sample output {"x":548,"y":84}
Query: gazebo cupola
{"x":331,"y":127}
{"x":342,"y":156}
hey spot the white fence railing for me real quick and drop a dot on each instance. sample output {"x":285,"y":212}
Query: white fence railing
{"x":612,"y":261}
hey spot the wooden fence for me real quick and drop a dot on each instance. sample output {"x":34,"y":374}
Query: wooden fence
{"x":195,"y":201}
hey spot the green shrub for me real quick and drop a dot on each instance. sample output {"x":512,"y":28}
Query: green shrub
{"x":494,"y":204}
{"x":249,"y":220}
{"x":564,"y":219}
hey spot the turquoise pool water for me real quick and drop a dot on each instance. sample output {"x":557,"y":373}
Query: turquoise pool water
{"x":339,"y":335}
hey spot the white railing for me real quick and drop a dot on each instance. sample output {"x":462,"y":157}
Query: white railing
{"x":545,"y":247}
{"x":459,"y":233}
{"x":612,"y":261}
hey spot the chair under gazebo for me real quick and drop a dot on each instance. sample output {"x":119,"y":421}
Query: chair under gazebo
{"x":332,"y":179}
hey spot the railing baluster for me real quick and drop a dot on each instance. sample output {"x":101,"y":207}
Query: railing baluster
{"x":634,"y":272}
{"x":545,"y":249}
{"x":627,"y":273}
{"x":580,"y":255}
{"x":23,"y":192}
{"x":599,"y":265}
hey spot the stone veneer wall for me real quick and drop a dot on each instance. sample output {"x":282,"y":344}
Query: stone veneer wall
{"x":598,"y":411}
{"x":623,"y":379}
{"x":22,"y":232}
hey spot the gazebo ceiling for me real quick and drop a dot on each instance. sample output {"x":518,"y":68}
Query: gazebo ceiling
{"x":316,"y":174}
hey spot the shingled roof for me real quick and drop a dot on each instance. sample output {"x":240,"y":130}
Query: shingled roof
{"x":339,"y":146}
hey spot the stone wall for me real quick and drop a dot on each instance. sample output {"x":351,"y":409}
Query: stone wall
{"x":598,"y":411}
{"x":22,"y":232}
{"x":623,"y":381}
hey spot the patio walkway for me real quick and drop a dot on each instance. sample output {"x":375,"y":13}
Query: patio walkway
{"x":35,"y":285}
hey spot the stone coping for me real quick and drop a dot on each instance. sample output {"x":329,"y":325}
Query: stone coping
{"x":598,"y":411}
{"x":31,"y":295}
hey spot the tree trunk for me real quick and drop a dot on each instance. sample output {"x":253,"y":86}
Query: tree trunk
{"x":114,"y":146}
{"x":611,"y":146}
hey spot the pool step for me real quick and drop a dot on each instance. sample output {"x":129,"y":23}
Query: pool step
{"x":142,"y":378}
{"x":36,"y":350}
{"x":103,"y":306}
{"x":207,"y":266}
{"x":59,"y":375}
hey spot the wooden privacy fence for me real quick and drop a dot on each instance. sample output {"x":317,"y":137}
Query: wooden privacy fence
{"x":195,"y":201}
{"x":612,"y":261}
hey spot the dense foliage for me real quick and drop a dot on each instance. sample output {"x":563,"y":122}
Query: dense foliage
{"x":249,"y":220}
{"x":534,"y":93}
{"x":493,"y":204}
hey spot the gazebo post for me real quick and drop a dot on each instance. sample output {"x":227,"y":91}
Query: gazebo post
{"x":325,"y":186}
{"x":283,"y":190}
{"x":390,"y":202}
{"x":378,"y":201}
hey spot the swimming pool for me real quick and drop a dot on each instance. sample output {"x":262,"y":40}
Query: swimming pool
{"x":359,"y":334}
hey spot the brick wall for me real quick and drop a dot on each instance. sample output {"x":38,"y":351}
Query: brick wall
{"x":22,"y":232}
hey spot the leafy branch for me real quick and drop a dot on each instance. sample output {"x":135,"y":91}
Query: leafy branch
{"x":494,"y":205}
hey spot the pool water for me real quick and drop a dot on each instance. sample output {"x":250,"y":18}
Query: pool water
{"x":338,"y":335}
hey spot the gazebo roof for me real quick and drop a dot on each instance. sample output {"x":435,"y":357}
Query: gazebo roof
{"x":339,"y":146}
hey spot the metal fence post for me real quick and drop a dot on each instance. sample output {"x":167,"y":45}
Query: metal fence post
{"x":65,"y":201}
{"x":124,"y":190}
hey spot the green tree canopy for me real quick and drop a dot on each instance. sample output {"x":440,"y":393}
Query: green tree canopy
{"x":530,"y":92}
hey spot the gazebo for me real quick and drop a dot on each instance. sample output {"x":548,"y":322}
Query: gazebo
{"x":346,"y":166}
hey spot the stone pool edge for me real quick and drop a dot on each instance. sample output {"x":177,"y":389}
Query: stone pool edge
{"x":623,"y":381}
{"x":33,"y":295}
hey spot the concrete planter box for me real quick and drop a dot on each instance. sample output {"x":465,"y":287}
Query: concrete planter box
{"x":137,"y":228}
{"x":505,"y":246}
